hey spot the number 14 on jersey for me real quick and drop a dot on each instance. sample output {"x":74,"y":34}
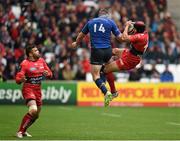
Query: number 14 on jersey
{"x":101,"y":28}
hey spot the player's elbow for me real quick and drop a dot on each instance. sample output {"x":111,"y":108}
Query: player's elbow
{"x":124,"y":38}
{"x":18,"y":81}
{"x":80,"y":37}
{"x":18,"y":77}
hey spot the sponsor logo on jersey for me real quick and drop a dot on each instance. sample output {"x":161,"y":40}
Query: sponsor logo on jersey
{"x":33,"y":69}
{"x":41,"y":67}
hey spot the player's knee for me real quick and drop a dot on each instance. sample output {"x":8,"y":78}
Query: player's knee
{"x":33,"y":111}
{"x":34,"y":114}
{"x":95,"y":76}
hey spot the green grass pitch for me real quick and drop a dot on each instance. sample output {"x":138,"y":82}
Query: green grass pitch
{"x":94,"y":123}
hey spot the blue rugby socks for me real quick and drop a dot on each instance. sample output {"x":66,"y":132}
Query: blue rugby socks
{"x":101,"y":85}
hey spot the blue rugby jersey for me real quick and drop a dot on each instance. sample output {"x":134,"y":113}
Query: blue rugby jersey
{"x":100,"y":31}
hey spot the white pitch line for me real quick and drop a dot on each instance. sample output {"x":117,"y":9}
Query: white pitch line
{"x":111,"y":115}
{"x":66,"y":108}
{"x":173,"y":123}
{"x":92,"y":140}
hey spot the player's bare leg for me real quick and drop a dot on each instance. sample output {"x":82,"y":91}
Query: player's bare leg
{"x":112,"y":66}
{"x":28,"y":119}
{"x":95,"y":69}
{"x":117,"y":52}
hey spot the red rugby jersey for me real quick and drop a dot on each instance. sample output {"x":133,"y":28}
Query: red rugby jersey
{"x":33,"y":71}
{"x":140,"y":41}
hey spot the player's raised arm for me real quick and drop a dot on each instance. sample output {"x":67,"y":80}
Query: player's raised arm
{"x":80,"y":36}
{"x":124,"y":37}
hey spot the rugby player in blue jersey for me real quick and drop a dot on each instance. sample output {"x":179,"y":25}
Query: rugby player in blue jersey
{"x":100,"y":30}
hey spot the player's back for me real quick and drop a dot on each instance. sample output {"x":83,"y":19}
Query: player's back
{"x":100,"y":32}
{"x":140,"y":41}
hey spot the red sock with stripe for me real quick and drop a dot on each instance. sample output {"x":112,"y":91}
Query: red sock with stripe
{"x":26,"y":122}
{"x":110,"y":78}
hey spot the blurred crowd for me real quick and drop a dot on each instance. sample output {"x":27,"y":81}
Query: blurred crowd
{"x":54,"y":24}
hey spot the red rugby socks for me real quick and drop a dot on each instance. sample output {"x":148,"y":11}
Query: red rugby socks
{"x":110,"y":78}
{"x":27,"y":121}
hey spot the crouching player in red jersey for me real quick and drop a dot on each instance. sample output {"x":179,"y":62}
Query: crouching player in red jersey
{"x":31,"y":73}
{"x":128,"y":59}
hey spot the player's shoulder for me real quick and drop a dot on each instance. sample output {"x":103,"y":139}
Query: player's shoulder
{"x":93,"y":20}
{"x":146,"y":33}
{"x":99,"y":19}
{"x":139,"y":36}
{"x":41,"y":59}
{"x":90,"y":21}
{"x":111,"y":22}
{"x":104,"y":20}
{"x":24,"y":62}
{"x":142,"y":35}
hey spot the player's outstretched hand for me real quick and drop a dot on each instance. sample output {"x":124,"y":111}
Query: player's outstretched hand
{"x":74,"y":45}
{"x":128,"y":23}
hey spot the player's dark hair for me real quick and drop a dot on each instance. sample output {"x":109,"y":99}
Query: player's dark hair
{"x":103,"y":11}
{"x":29,"y":48}
{"x":139,"y":26}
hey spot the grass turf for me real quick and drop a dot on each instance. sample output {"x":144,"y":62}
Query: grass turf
{"x":94,"y":123}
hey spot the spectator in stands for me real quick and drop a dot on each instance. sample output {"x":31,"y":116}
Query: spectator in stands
{"x":3,"y":61}
{"x":166,"y":76}
{"x":53,"y":24}
{"x":68,"y":73}
{"x":134,"y":75}
{"x":2,"y":78}
{"x":154,"y":73}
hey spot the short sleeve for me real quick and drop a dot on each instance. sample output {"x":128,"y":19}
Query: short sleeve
{"x":85,"y":29}
{"x":115,"y":29}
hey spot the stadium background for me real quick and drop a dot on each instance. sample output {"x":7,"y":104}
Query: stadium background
{"x":53,"y":25}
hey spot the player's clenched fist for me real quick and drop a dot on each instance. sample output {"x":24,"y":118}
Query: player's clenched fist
{"x":23,"y":79}
{"x":20,"y":78}
{"x":128,"y":23}
{"x":45,"y":73}
{"x":74,"y":44}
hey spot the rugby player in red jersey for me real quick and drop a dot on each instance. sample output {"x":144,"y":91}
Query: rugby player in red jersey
{"x":128,"y":58}
{"x":32,"y":72}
